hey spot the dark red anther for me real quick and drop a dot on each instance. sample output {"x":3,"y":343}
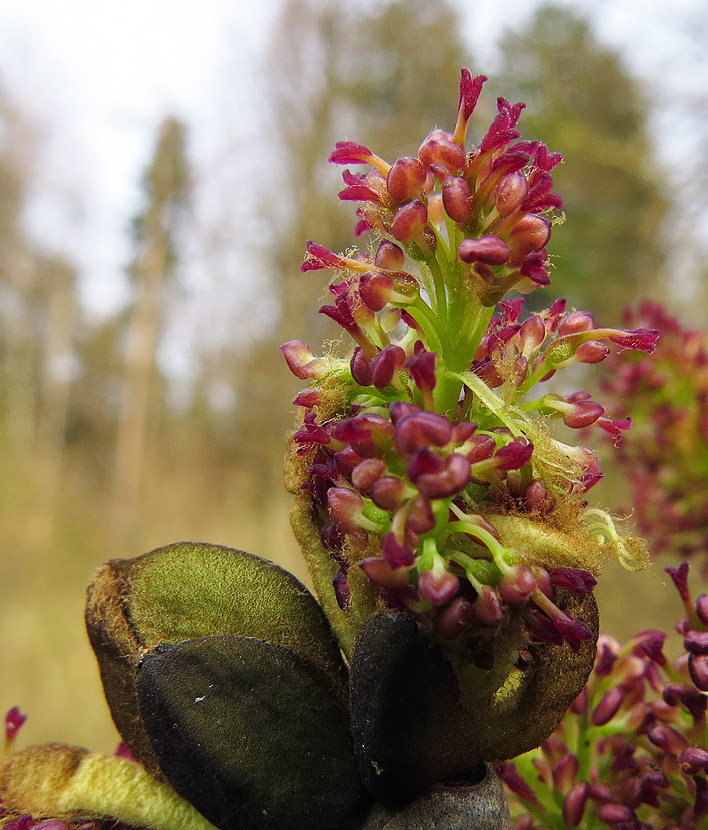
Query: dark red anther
{"x":438,"y":587}
{"x":389,"y":256}
{"x":439,"y":148}
{"x":409,"y":221}
{"x":574,"y":804}
{"x":456,"y":199}
{"x":488,"y":250}
{"x":405,"y":179}
{"x":421,"y":429}
{"x":360,"y":366}
{"x":366,"y":473}
{"x":608,"y":706}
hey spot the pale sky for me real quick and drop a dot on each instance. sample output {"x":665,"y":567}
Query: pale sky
{"x":99,"y":76}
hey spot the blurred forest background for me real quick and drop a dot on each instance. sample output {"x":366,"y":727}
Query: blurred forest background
{"x":105,"y":452}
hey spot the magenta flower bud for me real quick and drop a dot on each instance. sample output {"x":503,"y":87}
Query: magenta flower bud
{"x":301,"y":361}
{"x":346,"y":508}
{"x":538,"y":498}
{"x":397,"y":556}
{"x":698,"y":669}
{"x":308,"y":397}
{"x":463,"y":432}
{"x":696,"y":642}
{"x":574,"y":804}
{"x":346,"y":460}
{"x":366,"y":473}
{"x":438,"y":587}
{"x":360,"y":366}
{"x":488,"y":608}
{"x":688,"y":696}
{"x":575,"y":322}
{"x":511,"y":192}
{"x":456,"y":199}
{"x":583,"y":414}
{"x":405,"y":179}
{"x":421,"y":429}
{"x":488,"y":250}
{"x":702,"y":608}
{"x":421,"y":518}
{"x":607,"y":652}
{"x":517,"y":585}
{"x":679,"y":576}
{"x":451,"y":621}
{"x":349,"y":152}
{"x":342,"y":591}
{"x":399,"y":409}
{"x":576,"y":580}
{"x":531,"y":233}
{"x":615,"y":813}
{"x":14,"y":720}
{"x":389,"y":256}
{"x":480,"y":448}
{"x":531,"y":335}
{"x":513,"y":779}
{"x":369,"y":434}
{"x":319,"y":257}
{"x":591,"y":351}
{"x":453,"y":477}
{"x":375,"y":290}
{"x":695,"y":758}
{"x":667,"y":738}
{"x":409,"y":221}
{"x":385,"y":364}
{"x":608,"y":707}
{"x":439,"y":148}
{"x":564,"y":772}
{"x":642,"y":340}
{"x":580,"y":705}
{"x":513,"y":455}
{"x":382,"y":573}
{"x":388,"y":492}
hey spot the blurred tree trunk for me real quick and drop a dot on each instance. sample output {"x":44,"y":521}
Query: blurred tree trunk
{"x":166,"y":185}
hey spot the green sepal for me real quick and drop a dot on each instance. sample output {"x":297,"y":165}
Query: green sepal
{"x":249,"y":733}
{"x":190,"y":590}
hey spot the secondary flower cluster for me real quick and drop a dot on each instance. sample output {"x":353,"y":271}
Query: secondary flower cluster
{"x":631,"y":754}
{"x":431,"y":461}
{"x":666,"y":456}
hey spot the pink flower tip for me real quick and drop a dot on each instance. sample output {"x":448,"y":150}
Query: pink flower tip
{"x":349,"y":152}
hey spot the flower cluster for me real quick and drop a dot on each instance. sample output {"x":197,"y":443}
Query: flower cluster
{"x":666,"y":456}
{"x":431,"y":462}
{"x":632,"y":753}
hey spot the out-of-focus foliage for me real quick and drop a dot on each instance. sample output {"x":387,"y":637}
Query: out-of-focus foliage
{"x":583,"y":102}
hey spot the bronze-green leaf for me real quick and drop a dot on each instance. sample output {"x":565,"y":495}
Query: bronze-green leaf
{"x":249,"y":733}
{"x":186,"y":591}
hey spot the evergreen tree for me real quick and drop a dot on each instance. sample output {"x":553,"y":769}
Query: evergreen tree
{"x":584,"y":103}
